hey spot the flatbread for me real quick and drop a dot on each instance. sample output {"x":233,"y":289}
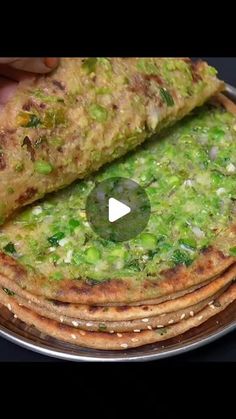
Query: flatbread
{"x":130,"y":287}
{"x":108,"y":341}
{"x":212,"y":262}
{"x":123,"y":313}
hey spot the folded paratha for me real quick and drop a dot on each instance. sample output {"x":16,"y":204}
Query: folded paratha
{"x":63,"y":126}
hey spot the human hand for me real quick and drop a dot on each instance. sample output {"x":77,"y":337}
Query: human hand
{"x":13,"y":70}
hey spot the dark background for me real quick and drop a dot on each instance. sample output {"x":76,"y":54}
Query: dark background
{"x":222,"y":350}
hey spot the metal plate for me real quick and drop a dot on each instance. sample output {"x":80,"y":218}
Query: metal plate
{"x":29,"y":337}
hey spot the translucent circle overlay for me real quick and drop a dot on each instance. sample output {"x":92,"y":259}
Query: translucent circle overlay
{"x":129,"y":193}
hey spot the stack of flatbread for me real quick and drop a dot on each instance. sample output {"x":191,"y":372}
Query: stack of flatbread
{"x":55,"y":272}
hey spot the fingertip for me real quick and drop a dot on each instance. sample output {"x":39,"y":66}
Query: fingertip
{"x":50,"y":62}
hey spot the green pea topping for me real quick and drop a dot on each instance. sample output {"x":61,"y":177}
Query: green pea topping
{"x":43,"y":167}
{"x":188,"y":243}
{"x":119,"y":253}
{"x":8,"y":292}
{"x":92,"y":255}
{"x":33,"y":122}
{"x":148,"y":241}
{"x":54,"y":240}
{"x":89,"y":65}
{"x":98,"y":113}
{"x":146,"y":66}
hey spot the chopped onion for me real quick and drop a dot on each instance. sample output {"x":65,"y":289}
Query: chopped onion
{"x":220,"y":191}
{"x":213,"y":152}
{"x":68,"y":257}
{"x":62,"y":242}
{"x":153,"y":116}
{"x":198,"y":232}
{"x":188,"y":182}
{"x":37,"y":211}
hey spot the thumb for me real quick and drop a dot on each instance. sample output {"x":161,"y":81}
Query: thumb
{"x":33,"y":65}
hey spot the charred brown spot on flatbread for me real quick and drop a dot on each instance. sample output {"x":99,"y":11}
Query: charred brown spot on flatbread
{"x":59,"y":84}
{"x":195,"y":67}
{"x":58,"y":303}
{"x":28,"y":194}
{"x":122,"y":308}
{"x":17,"y":270}
{"x":93,"y":309}
{"x":3,"y":163}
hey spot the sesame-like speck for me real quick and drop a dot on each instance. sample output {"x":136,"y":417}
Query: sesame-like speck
{"x":52,"y":249}
{"x":61,"y":319}
{"x":211,"y":302}
{"x":149,"y":327}
{"x":191,"y":313}
{"x":171,"y":321}
{"x":119,"y":335}
{"x":112,"y":331}
{"x":76,"y":324}
{"x":9,"y":306}
{"x":145,"y":320}
{"x":134,"y":340}
{"x":212,"y":306}
{"x":124,"y":345}
{"x":82,"y":333}
{"x":29,"y":301}
{"x":136,"y":330}
{"x":182,"y":316}
{"x":62,"y":242}
{"x":15,"y":316}
{"x":89,"y":324}
{"x":200,"y":317}
{"x":73,"y":336}
{"x":159,"y":326}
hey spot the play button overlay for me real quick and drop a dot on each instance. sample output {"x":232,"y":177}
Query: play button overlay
{"x":118,"y":209}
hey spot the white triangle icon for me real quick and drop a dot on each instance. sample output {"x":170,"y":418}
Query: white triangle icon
{"x":117,"y":210}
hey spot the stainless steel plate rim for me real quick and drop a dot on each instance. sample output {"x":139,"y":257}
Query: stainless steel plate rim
{"x":126,"y":356}
{"x":45,"y":350}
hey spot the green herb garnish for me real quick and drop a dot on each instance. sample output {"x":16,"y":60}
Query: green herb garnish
{"x":10,"y":248}
{"x":166,"y":96}
{"x":33,"y":122}
{"x":54,"y":240}
{"x":232,"y":251}
{"x":43,"y":167}
{"x":179,"y":257}
{"x":8,"y":292}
